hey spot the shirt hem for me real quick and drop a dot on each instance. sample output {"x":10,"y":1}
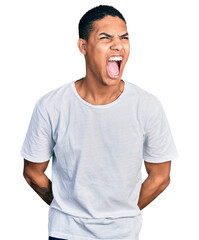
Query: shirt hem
{"x":161,"y":160}
{"x":76,"y":237}
{"x":33,"y":159}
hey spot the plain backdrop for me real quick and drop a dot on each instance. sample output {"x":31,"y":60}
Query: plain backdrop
{"x":38,"y":53}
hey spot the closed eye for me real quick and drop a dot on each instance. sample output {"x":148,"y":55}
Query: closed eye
{"x":104,"y":38}
{"x":105,"y":35}
{"x":124,"y":38}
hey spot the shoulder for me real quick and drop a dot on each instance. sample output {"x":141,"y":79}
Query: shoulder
{"x":144,"y":97}
{"x":54,"y":97}
{"x":148,"y":106}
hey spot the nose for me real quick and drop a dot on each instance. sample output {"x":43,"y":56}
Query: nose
{"x":116,"y":44}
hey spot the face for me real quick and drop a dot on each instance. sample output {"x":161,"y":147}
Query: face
{"x":107,"y":50}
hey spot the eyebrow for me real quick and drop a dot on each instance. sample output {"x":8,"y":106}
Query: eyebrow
{"x":107,"y":35}
{"x":124,"y":35}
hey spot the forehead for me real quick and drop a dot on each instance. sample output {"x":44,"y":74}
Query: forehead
{"x":109,"y":24}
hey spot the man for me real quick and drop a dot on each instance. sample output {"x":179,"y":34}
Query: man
{"x":98,"y":130}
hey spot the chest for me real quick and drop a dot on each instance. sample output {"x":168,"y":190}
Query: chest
{"x":97,"y":131}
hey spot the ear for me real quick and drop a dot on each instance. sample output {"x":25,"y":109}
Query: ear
{"x":82,"y":45}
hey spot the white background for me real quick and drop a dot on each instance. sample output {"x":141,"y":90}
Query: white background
{"x":38,"y":53}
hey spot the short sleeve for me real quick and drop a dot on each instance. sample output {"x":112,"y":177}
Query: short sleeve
{"x":38,"y":143}
{"x":159,"y":144}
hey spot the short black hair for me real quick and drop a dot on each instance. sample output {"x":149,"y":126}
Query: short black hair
{"x":96,"y":13}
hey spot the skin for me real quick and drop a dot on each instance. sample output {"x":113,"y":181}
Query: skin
{"x":34,"y":173}
{"x":157,"y":181}
{"x":109,"y":37}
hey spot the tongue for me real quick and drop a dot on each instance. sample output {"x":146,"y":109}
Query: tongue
{"x":113,"y":69}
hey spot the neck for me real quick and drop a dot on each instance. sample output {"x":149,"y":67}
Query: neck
{"x":99,"y":92}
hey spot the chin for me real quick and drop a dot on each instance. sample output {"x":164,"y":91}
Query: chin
{"x":111,"y":81}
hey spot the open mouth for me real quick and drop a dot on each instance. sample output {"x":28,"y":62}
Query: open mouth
{"x":114,"y":66}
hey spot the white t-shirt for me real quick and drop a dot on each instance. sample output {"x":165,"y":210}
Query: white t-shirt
{"x":98,"y":151}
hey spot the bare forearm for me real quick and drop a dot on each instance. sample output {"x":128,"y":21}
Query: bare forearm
{"x":40,"y":183}
{"x":43,"y":187}
{"x":150,"y":189}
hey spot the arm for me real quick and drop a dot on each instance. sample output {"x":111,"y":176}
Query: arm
{"x":36,"y":178}
{"x":156,"y":182}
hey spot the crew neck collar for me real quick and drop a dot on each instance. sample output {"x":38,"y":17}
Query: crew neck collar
{"x":99,"y":106}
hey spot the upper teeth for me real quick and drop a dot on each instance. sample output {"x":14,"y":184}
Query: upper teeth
{"x":115,"y":59}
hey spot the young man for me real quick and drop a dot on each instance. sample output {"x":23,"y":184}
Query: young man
{"x":98,"y":130}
